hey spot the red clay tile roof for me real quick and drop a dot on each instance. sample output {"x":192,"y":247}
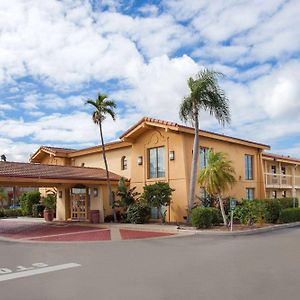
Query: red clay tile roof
{"x":58,"y":149}
{"x":43,"y":171}
{"x":168,"y":123}
{"x":281,"y":157}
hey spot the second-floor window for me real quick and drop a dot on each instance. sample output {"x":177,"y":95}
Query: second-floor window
{"x":283,"y":171}
{"x":273,"y":169}
{"x":124,"y":163}
{"x":203,"y":157}
{"x":156,"y":159}
{"x":248,"y":167}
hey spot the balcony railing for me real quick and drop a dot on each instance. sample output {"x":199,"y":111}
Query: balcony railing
{"x":281,"y":181}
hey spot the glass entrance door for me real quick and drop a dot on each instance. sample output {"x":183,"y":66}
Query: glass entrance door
{"x":79,"y":207}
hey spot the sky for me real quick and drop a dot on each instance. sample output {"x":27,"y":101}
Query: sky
{"x":56,"y":54}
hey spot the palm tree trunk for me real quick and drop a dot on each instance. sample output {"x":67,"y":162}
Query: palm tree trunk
{"x":194,"y":167}
{"x":222,"y":210}
{"x":111,"y":200}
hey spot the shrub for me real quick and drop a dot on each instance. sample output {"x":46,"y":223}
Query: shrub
{"x":202,"y":217}
{"x":157,"y":195}
{"x":288,"y":202}
{"x":290,"y":215}
{"x":38,"y":210}
{"x":137,"y":213}
{"x":27,"y":200}
{"x":50,"y":201}
{"x":109,"y":218}
{"x":126,"y":195}
{"x":273,"y":207}
{"x":217,"y":216}
{"x":10,"y":212}
{"x":251,"y":211}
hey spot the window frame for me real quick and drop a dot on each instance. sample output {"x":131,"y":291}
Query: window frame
{"x":205,"y":151}
{"x":248,"y":194}
{"x":157,"y":162}
{"x":124,"y":163}
{"x":249,"y":172}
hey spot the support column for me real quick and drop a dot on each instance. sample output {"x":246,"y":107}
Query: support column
{"x":62,"y":204}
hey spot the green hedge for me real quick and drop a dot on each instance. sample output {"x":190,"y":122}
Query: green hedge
{"x":10,"y":212}
{"x":27,"y":200}
{"x":290,"y":215}
{"x":205,"y":217}
{"x":137,"y":213}
{"x":288,"y":202}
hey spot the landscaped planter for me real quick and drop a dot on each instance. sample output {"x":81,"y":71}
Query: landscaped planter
{"x":48,"y":215}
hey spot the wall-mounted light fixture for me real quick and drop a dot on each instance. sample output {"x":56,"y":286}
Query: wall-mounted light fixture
{"x":172,"y":155}
{"x":140,"y":160}
{"x":95,"y":192}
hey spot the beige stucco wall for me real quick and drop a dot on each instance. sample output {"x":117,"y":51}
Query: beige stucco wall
{"x":178,"y":171}
{"x":113,"y":157}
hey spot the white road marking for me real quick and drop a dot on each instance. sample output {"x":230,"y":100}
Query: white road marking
{"x":62,"y":234}
{"x":38,"y":271}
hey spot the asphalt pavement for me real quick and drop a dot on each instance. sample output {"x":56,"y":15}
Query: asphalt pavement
{"x":264,"y":266}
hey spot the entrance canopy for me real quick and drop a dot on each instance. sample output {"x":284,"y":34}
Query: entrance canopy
{"x":41,"y":175}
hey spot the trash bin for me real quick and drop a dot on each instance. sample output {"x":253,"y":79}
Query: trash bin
{"x":94,"y":216}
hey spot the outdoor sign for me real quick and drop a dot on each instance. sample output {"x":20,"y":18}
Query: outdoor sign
{"x":232,"y":208}
{"x":232,"y":204}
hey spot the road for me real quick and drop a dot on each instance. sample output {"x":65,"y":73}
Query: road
{"x":264,"y":266}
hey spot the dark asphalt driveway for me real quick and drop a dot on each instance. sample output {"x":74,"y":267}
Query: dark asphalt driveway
{"x":265,"y":266}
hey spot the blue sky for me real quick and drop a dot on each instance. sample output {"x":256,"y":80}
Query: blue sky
{"x":56,"y":54}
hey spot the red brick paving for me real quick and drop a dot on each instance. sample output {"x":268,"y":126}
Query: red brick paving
{"x":56,"y":231}
{"x":51,"y":231}
{"x":128,"y":234}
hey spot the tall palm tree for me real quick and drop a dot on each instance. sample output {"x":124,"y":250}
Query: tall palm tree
{"x":205,"y":94}
{"x":103,"y":108}
{"x":217,"y":177}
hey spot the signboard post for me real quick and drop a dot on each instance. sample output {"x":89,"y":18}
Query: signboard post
{"x":232,"y":208}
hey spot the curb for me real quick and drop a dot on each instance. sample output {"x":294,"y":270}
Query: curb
{"x":241,"y":232}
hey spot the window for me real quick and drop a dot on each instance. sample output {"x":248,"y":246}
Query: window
{"x":273,"y":169}
{"x":156,"y":160}
{"x":248,"y":167}
{"x":283,"y":194}
{"x":283,"y":171}
{"x":154,"y":213}
{"x":82,"y":165}
{"x":249,"y":193}
{"x":124,"y":163}
{"x":274,"y":195}
{"x":203,"y":157}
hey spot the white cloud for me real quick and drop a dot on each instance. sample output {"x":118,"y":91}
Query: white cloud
{"x":16,"y":151}
{"x":69,"y":47}
{"x":6,"y":106}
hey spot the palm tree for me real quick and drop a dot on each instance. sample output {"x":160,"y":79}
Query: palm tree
{"x":217,"y":177}
{"x":103,"y":108}
{"x":206,"y":95}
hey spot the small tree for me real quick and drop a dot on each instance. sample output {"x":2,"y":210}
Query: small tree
{"x":217,"y":176}
{"x":126,"y":196}
{"x":158,"y":195}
